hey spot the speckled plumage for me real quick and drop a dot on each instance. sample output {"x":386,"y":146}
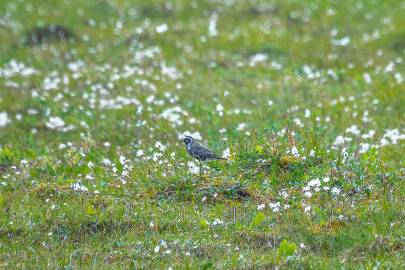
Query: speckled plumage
{"x":198,"y":151}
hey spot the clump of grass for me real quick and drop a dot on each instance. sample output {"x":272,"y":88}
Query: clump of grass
{"x":48,"y":34}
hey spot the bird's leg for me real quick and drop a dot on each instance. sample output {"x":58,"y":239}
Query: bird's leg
{"x":200,"y":168}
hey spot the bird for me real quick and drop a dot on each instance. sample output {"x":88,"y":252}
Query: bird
{"x":199,"y":152}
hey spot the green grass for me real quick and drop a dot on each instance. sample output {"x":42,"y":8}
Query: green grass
{"x":93,"y":174}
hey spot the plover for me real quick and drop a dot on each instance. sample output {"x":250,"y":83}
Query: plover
{"x":199,"y":152}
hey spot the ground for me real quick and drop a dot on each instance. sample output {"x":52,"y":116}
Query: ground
{"x":305,"y":98}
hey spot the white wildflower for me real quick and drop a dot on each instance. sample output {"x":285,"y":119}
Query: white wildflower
{"x":341,"y":42}
{"x":226,"y":153}
{"x":217,"y":221}
{"x":170,"y":72}
{"x":298,"y":122}
{"x":107,"y":144}
{"x":55,"y":123}
{"x":160,"y":146}
{"x":106,"y":162}
{"x":196,"y":135}
{"x":364,"y":147}
{"x":241,"y":126}
{"x":79,"y":187}
{"x":335,"y":191}
{"x":339,"y":140}
{"x":367,"y":78}
{"x":161,"y":28}
{"x":220,"y":109}
{"x":392,"y":134}
{"x":212,"y":26}
{"x":193,"y":168}
{"x":139,"y":153}
{"x":294,"y":151}
{"x":174,"y":115}
{"x":314,"y":183}
{"x":275,"y":207}
{"x":257,"y":58}
{"x":122,"y":159}
{"x":3,"y":119}
{"x":353,"y":130}
{"x":368,"y":135}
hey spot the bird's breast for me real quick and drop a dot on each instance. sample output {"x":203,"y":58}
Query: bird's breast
{"x":188,"y":147}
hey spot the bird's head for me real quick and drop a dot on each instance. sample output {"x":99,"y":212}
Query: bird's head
{"x":188,"y":140}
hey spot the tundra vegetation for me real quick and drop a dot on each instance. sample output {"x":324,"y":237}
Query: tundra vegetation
{"x":305,"y":98}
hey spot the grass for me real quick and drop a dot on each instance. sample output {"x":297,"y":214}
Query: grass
{"x":305,"y":96}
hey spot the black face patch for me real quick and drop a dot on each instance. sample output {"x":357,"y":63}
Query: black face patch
{"x":187,"y":140}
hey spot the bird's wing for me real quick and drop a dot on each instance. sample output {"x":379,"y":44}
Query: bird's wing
{"x":202,"y":151}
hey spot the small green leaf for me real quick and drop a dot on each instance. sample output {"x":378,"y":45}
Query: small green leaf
{"x":204,"y":224}
{"x":258,"y":219}
{"x":286,"y":248}
{"x":259,"y":149}
{"x":90,"y":210}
